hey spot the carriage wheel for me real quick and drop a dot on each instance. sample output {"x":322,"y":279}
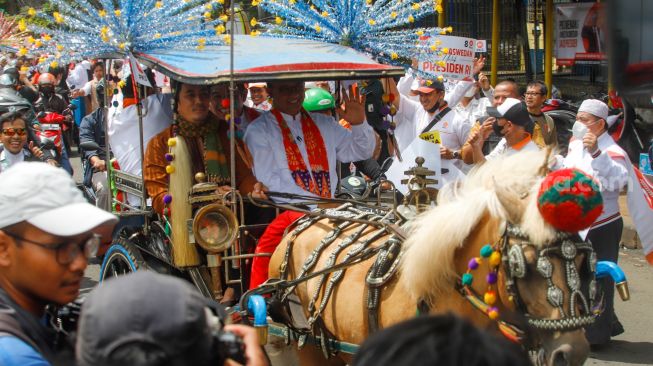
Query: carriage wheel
{"x":122,"y":258}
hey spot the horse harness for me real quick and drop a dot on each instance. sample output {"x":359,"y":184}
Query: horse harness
{"x":567,"y":247}
{"x":356,"y":248}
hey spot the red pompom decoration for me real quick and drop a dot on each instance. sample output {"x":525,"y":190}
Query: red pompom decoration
{"x":224,"y":103}
{"x":569,"y":200}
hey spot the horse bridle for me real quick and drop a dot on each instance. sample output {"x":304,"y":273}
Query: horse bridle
{"x":567,"y":247}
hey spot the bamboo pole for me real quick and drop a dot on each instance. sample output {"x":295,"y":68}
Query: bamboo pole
{"x":496,"y":19}
{"x":442,"y":16}
{"x":548,"y":48}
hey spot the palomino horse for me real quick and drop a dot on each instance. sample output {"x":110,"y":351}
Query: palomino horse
{"x":539,"y":276}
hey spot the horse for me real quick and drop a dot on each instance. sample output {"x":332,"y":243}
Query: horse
{"x":536,"y":295}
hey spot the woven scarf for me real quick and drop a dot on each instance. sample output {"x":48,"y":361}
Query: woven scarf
{"x":214,"y":159}
{"x":317,"y":180}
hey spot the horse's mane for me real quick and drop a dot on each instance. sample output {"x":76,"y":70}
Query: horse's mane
{"x":504,"y":188}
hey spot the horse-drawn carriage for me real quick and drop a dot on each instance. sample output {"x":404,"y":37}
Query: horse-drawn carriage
{"x":340,"y":273}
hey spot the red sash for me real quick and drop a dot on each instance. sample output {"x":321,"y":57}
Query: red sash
{"x":317,"y":180}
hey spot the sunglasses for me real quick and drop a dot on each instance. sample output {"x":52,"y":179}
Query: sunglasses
{"x":14,"y":131}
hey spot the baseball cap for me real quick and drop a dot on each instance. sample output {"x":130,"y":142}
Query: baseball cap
{"x":257,"y":85}
{"x":594,"y":107}
{"x":143,"y":312}
{"x":48,"y":198}
{"x":426,"y":86}
{"x":514,"y":110}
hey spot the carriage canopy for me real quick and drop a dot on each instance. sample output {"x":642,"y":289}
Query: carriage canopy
{"x":265,"y":58}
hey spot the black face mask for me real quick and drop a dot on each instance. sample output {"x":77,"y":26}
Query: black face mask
{"x":47,"y":90}
{"x":498,"y":129}
{"x":435,"y":107}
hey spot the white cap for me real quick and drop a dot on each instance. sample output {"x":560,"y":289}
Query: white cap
{"x":47,"y":198}
{"x":594,"y":107}
{"x":256,"y":85}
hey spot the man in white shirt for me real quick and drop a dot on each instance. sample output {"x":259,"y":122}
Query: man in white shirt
{"x":274,"y":136}
{"x":90,"y":88}
{"x":593,"y":151}
{"x":512,"y":122}
{"x":294,"y":151}
{"x":431,"y":113}
{"x":470,"y":108}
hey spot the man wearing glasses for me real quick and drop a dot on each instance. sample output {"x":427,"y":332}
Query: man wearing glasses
{"x":47,"y":232}
{"x":15,"y":148}
{"x":544,"y":131}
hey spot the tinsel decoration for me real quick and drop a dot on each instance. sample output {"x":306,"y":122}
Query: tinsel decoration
{"x":382,"y":28}
{"x":84,"y":29}
{"x":10,"y":33}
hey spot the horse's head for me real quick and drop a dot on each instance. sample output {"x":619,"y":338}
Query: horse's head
{"x":553,"y":287}
{"x":544,"y":277}
{"x":548,"y":276}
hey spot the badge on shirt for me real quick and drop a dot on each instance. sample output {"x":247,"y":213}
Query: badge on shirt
{"x":431,"y":136}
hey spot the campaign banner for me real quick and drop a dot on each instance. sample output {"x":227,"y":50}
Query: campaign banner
{"x":580,"y":34}
{"x":456,"y":61}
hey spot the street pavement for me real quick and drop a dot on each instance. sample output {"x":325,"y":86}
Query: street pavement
{"x":633,"y":347}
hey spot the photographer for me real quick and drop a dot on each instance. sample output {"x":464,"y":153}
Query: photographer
{"x":47,"y":232}
{"x":148,"y":319}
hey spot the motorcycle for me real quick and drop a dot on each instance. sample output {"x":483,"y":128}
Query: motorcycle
{"x":50,"y":133}
{"x":357,"y":187}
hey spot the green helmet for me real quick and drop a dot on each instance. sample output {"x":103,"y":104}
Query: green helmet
{"x":318,"y":99}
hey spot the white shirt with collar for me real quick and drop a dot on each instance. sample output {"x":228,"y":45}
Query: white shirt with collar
{"x":7,"y":159}
{"x":265,"y":143}
{"x":475,"y":109}
{"x":610,"y":169}
{"x":503,"y":149}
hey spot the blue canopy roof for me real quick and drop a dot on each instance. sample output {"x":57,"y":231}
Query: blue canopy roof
{"x":267,"y":59}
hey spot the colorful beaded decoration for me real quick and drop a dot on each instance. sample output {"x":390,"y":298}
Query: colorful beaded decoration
{"x":493,"y":257}
{"x":170,"y":169}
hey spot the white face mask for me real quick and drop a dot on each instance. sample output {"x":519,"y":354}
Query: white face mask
{"x":579,"y":130}
{"x":471,"y":92}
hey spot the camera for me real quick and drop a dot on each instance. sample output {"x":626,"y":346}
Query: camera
{"x":224,"y":345}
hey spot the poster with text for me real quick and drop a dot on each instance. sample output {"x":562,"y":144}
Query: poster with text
{"x":456,"y":64}
{"x":580,"y":34}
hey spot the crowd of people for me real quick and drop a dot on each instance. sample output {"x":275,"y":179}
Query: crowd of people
{"x":291,"y":137}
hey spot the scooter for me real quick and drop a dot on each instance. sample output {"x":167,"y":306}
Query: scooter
{"x":51,"y":131}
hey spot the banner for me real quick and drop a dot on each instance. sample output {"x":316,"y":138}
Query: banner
{"x":580,"y":34}
{"x":458,"y":61}
{"x":137,"y":71}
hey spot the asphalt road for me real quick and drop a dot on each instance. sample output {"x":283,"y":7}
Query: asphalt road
{"x":633,"y":347}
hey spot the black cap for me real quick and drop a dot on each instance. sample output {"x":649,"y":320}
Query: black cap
{"x":514,"y":110}
{"x":143,"y":312}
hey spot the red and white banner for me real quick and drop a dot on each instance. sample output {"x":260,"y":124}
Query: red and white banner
{"x":640,"y":207}
{"x":580,"y":34}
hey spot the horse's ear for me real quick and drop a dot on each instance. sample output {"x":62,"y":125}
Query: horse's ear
{"x":511,"y":200}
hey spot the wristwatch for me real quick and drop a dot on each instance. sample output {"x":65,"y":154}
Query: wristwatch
{"x":456,"y":154}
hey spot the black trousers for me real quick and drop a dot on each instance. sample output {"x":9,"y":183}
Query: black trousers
{"x":605,"y":241}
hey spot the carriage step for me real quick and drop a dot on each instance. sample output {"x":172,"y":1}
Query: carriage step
{"x":284,"y":332}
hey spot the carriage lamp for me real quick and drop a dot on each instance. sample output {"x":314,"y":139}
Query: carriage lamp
{"x":215,"y":228}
